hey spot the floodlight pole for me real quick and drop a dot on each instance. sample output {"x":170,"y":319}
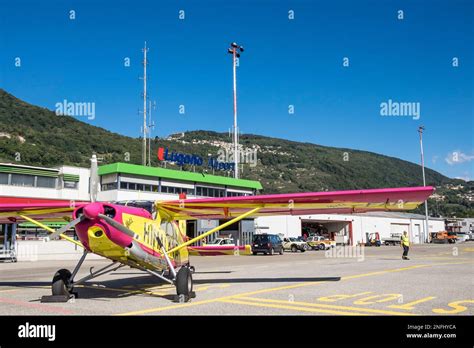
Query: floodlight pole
{"x":145,"y":50}
{"x":236,"y":145}
{"x":420,"y":131}
{"x":233,"y":50}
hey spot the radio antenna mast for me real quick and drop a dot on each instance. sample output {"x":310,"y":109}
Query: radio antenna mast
{"x":145,"y":62}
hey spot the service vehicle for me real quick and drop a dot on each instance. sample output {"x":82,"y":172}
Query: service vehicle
{"x":444,"y":237}
{"x":320,"y":243}
{"x":294,"y":244}
{"x":394,"y":239}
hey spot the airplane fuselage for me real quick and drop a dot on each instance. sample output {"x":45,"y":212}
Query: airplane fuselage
{"x":99,"y":237}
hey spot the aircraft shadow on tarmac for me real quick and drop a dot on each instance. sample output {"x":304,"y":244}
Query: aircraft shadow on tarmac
{"x":146,"y":285}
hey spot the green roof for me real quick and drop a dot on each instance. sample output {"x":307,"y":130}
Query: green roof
{"x":71,"y":177}
{"x":28,"y":170}
{"x":164,"y":173}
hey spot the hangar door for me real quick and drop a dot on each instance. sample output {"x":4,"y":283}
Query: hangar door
{"x":396,"y":230}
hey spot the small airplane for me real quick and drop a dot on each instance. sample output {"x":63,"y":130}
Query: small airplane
{"x":151,"y":236}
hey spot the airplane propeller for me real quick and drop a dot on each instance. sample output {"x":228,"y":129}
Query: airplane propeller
{"x":65,"y":228}
{"x":94,"y":179}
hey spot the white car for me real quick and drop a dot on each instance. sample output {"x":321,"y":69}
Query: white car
{"x":462,"y":237}
{"x":294,"y":244}
{"x":222,"y":241}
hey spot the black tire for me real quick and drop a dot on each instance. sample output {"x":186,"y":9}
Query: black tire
{"x":294,"y":249}
{"x":302,"y":250}
{"x":61,"y":283}
{"x":184,"y":282}
{"x":322,"y":247}
{"x":281,"y":251}
{"x":255,"y":253}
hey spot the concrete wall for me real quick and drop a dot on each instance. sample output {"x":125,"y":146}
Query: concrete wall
{"x":289,"y":226}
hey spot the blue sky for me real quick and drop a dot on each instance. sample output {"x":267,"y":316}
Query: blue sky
{"x":286,"y":62}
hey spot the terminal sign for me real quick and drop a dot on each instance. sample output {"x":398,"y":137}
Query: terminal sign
{"x":193,"y":160}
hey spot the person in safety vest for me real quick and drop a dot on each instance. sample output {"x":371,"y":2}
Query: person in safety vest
{"x":405,"y":244}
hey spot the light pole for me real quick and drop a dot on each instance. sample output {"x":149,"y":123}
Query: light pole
{"x":145,"y":62}
{"x":420,"y":131}
{"x":235,"y":50}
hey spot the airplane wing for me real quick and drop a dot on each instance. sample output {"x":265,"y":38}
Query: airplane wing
{"x":336,"y":202}
{"x":14,"y":212}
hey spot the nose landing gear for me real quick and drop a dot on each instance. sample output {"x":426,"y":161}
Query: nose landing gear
{"x":62,"y":286}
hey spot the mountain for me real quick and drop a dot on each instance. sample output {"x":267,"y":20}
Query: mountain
{"x":37,"y":136}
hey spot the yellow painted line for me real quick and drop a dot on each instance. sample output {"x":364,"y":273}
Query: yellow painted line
{"x":207,"y":287}
{"x":383,"y":272}
{"x":166,"y":290}
{"x":294,"y":308}
{"x":320,"y":305}
{"x":177,"y":306}
{"x":299,"y":285}
{"x":339,"y":297}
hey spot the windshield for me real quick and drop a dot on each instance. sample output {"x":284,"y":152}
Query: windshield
{"x":215,"y":241}
{"x":260,"y":238}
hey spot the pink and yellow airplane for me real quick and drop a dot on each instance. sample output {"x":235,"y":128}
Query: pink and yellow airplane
{"x":151,"y":236}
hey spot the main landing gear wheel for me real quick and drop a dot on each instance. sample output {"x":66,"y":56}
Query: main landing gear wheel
{"x":184,"y":284}
{"x":61,"y":284}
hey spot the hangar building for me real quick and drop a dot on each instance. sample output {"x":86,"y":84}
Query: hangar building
{"x":351,"y":229}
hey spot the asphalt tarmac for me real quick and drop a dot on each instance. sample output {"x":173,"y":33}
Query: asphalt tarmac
{"x":437,"y":280}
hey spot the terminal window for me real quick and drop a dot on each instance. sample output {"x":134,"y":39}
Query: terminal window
{"x":43,"y":181}
{"x":209,"y":192}
{"x":3,"y":179}
{"x":23,"y":180}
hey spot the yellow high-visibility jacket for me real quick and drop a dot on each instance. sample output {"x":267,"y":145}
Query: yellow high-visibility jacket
{"x":405,"y":241}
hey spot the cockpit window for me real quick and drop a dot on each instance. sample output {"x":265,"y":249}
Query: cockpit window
{"x":147,"y":205}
